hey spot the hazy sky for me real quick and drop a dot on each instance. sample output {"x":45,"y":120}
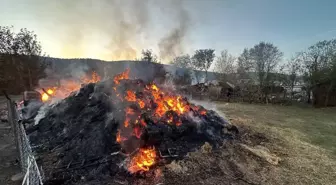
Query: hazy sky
{"x":112,"y":29}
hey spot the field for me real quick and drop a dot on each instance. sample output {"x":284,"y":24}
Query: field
{"x":304,"y":138}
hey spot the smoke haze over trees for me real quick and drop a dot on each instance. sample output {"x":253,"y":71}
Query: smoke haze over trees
{"x":22,"y":64}
{"x":121,"y":28}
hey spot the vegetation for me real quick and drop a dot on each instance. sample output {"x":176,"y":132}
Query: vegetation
{"x":20,"y":61}
{"x":302,"y":137}
{"x":148,"y":56}
{"x":202,"y":60}
{"x":257,"y":67}
{"x":262,"y":66}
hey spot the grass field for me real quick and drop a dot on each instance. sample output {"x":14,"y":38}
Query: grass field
{"x":305,"y":138}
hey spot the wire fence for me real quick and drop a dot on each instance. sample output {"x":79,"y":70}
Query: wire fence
{"x":29,"y":167}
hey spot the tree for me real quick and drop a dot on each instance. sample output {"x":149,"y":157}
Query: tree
{"x":20,"y":57}
{"x":289,"y":73}
{"x":245,"y":62}
{"x":319,"y":67}
{"x":202,"y":60}
{"x":183,"y":61}
{"x":182,"y":75}
{"x":160,"y":73}
{"x":225,"y":64}
{"x":265,"y":58}
{"x":147,"y":55}
{"x":332,"y":77}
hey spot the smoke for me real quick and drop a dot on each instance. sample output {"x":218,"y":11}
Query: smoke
{"x":172,"y":44}
{"x":77,"y":70}
{"x":209,"y":106}
{"x":122,"y":28}
{"x":41,"y":113}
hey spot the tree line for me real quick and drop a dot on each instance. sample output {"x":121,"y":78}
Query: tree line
{"x":20,"y":63}
{"x":316,"y":67}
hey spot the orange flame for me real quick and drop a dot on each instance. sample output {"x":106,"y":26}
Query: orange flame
{"x":119,"y":138}
{"x":94,"y":78}
{"x":143,"y":160}
{"x":123,"y":75}
{"x":167,"y":102}
{"x":45,"y":96}
{"x":141,"y":104}
{"x":158,"y":103}
{"x":130,"y":96}
{"x":70,"y":85}
{"x":203,"y":112}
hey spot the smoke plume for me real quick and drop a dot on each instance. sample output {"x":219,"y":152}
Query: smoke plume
{"x":172,"y":44}
{"x":122,"y":27}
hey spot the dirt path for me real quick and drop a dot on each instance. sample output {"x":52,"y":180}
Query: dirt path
{"x":8,"y":153}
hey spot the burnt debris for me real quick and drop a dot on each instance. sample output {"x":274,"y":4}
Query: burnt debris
{"x":91,"y":136}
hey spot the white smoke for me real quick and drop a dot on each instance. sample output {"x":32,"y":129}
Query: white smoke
{"x":44,"y":109}
{"x":210,"y":106}
{"x":41,"y":113}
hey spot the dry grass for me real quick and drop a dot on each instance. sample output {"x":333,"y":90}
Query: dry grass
{"x":304,"y":138}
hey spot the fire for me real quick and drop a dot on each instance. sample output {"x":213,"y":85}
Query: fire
{"x":167,"y":102}
{"x":123,"y":75}
{"x":130,"y":96}
{"x":119,"y":138}
{"x":143,"y":160}
{"x":141,"y":104}
{"x":70,"y":85}
{"x":45,"y":96}
{"x":94,"y":78}
{"x":155,"y":88}
{"x":150,"y":100}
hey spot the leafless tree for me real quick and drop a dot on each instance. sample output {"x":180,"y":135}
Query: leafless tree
{"x":289,"y":73}
{"x":265,"y":57}
{"x":225,"y":65}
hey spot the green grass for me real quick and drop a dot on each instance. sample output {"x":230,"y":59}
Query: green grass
{"x":318,"y":126}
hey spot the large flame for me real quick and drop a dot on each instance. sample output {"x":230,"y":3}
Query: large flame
{"x":143,"y":160}
{"x":68,"y":86}
{"x":161,"y":106}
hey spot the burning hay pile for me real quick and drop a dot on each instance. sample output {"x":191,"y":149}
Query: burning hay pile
{"x":120,"y":129}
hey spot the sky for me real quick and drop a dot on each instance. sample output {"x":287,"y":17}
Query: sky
{"x":118,"y":30}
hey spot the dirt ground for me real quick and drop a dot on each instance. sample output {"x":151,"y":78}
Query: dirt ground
{"x":8,"y":154}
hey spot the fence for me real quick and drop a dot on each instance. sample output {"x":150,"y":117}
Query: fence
{"x":29,"y":168}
